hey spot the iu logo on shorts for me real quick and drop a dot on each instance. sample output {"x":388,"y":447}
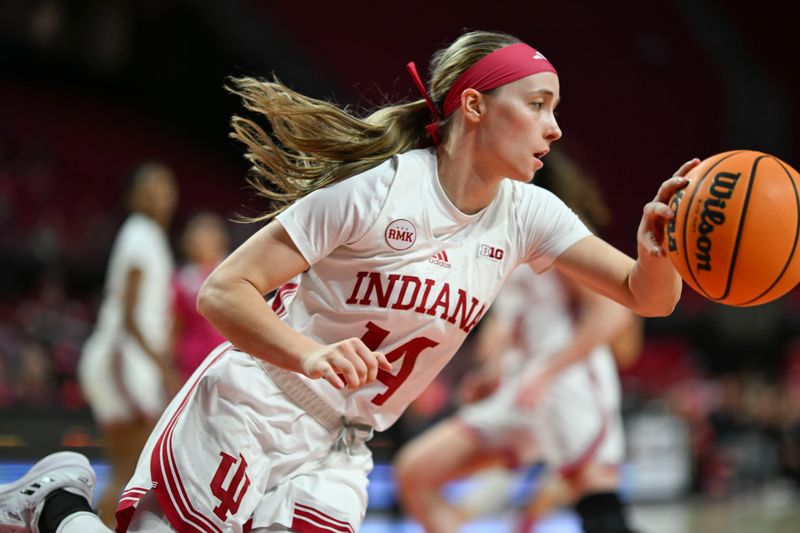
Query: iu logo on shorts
{"x":231,"y":496}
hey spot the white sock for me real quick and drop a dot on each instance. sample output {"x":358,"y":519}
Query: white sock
{"x":82,"y":522}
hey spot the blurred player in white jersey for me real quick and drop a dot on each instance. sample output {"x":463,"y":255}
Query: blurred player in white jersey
{"x":399,"y":252}
{"x":125,"y":363}
{"x":556,"y":393}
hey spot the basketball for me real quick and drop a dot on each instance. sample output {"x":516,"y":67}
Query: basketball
{"x":734,"y":238}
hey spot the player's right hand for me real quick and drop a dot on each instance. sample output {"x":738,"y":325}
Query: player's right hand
{"x":348,"y":363}
{"x":657,"y":213}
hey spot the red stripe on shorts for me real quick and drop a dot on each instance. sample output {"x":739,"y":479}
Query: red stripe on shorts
{"x":309,"y":509}
{"x":127,"y":506}
{"x":314,"y":522}
{"x":167,"y":484}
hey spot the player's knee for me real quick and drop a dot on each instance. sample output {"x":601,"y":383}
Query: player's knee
{"x":593,"y":480}
{"x":602,"y":512}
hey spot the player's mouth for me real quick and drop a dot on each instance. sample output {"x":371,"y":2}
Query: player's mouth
{"x":537,"y":157}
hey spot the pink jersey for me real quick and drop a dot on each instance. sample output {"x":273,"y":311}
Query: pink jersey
{"x":197,"y":337}
{"x":395,"y":263}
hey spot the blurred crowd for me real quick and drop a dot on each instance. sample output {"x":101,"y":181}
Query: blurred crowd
{"x":55,"y":248}
{"x":51,"y":259}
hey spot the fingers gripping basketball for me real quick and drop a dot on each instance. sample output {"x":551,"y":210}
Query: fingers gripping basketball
{"x":735,"y":234}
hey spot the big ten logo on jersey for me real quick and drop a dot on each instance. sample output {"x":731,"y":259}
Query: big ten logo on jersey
{"x":491,"y":252}
{"x":400,"y":234}
{"x":230,"y":496}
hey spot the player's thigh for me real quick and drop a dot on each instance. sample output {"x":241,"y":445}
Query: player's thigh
{"x":445,"y":452}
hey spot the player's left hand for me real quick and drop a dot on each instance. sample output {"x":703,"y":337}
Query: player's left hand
{"x":656,"y":213}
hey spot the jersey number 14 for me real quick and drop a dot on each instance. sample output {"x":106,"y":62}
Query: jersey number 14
{"x":409,"y":351}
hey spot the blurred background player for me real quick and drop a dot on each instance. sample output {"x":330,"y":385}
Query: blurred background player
{"x":205,"y":243}
{"x":554,"y":393}
{"x":125,"y":369}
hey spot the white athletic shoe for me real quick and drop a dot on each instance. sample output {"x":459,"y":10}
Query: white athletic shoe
{"x":22,"y":501}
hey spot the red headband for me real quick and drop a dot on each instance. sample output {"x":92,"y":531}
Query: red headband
{"x":501,"y":67}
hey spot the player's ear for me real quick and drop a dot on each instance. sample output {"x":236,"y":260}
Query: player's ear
{"x":472,"y":105}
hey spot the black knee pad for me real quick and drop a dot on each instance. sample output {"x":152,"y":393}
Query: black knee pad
{"x":602,"y":512}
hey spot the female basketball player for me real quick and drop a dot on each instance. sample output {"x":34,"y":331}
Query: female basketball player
{"x":392,"y":254}
{"x":558,"y":397}
{"x":125,"y":366}
{"x":205,"y":244}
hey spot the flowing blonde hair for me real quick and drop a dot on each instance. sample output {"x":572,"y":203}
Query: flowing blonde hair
{"x":311,"y":143}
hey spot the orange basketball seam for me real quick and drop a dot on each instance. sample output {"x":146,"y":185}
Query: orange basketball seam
{"x":796,"y":235}
{"x":686,"y":219}
{"x":736,"y":243}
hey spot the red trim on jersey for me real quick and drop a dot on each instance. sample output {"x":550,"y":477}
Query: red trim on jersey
{"x":167,"y":484}
{"x":310,"y":520}
{"x":285,"y":290}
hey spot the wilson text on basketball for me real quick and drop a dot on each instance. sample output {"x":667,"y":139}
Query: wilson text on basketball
{"x":713,"y":215}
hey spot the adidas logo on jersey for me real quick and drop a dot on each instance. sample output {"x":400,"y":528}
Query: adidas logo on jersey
{"x":440,"y":258}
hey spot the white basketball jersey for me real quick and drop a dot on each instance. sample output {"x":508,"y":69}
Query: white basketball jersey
{"x":536,"y":308}
{"x":395,"y":263}
{"x":142,"y":244}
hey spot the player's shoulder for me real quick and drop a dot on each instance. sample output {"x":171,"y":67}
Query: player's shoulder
{"x":418,"y":160}
{"x":377,"y":180}
{"x":137,"y":222}
{"x":139,"y":230}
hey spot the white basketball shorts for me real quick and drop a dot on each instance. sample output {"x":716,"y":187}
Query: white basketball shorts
{"x":232,"y":453}
{"x":578,"y":420}
{"x":121,"y":383}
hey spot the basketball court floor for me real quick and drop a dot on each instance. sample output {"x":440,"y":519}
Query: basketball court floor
{"x":774,"y":509}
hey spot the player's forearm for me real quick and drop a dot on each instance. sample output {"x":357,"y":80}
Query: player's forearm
{"x":240,"y":313}
{"x":654,"y":284}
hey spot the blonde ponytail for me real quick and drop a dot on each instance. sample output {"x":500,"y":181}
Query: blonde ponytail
{"x":311,"y":143}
